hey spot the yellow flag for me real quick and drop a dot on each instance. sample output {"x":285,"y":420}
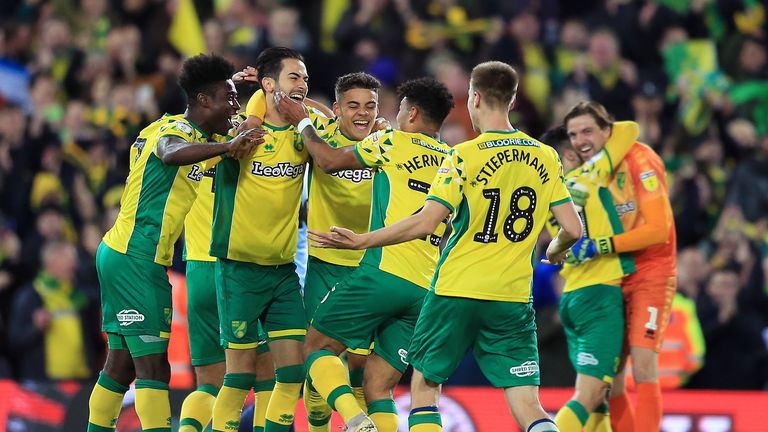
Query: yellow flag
{"x":186,"y":33}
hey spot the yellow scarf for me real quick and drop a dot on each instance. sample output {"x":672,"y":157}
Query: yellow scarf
{"x":64,"y":346}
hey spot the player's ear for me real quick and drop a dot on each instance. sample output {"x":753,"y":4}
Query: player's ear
{"x":336,"y":109}
{"x":203,"y":100}
{"x":476,"y":99}
{"x":512,"y":103}
{"x":268,"y":84}
{"x":413,"y":113}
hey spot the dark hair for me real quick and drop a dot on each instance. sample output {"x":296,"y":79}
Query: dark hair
{"x":496,"y":82}
{"x":597,"y":111}
{"x":557,"y":137}
{"x":269,"y":63}
{"x":201,"y":72}
{"x":356,"y":80}
{"x":429,"y":95}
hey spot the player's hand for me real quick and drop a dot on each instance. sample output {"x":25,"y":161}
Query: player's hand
{"x":380,"y":124}
{"x":553,"y":257}
{"x":586,"y":248}
{"x":338,"y":238}
{"x":41,"y":318}
{"x":250,"y":73}
{"x":245,"y":143}
{"x":291,"y":110}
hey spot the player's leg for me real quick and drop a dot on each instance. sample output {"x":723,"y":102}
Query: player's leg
{"x":444,"y":331}
{"x":590,"y":316}
{"x":346,"y":317}
{"x":380,"y":379}
{"x":206,"y":353}
{"x":321,"y":277}
{"x":356,"y":361}
{"x":285,"y":322}
{"x":622,"y":412}
{"x":653,"y":301}
{"x":264,"y":385}
{"x":241,"y":299}
{"x":107,"y":395}
{"x":506,"y":351}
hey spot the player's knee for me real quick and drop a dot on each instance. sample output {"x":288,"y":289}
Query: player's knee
{"x":591,"y":398}
{"x":644,"y":366}
{"x":119,"y":367}
{"x":154,"y":367}
{"x":265,"y":366}
{"x":212,"y":374}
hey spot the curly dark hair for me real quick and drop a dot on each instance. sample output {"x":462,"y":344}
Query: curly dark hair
{"x":355,"y":80}
{"x":269,"y":63}
{"x":557,"y":137}
{"x":201,"y":72}
{"x":429,"y":95}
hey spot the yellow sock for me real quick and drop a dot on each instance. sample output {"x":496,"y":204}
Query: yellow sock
{"x":571,"y":417}
{"x":104,"y":404}
{"x":153,"y":406}
{"x":383,"y":413}
{"x":229,"y":402}
{"x":262,"y":393}
{"x":599,"y":420}
{"x":197,"y":409}
{"x":318,"y":410}
{"x":282,"y":404}
{"x":425,"y":419}
{"x":356,"y":382}
{"x":329,"y":376}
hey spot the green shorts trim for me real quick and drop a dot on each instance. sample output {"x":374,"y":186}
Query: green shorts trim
{"x":138,"y":345}
{"x":372,"y":305}
{"x":321,"y":277}
{"x":202,"y":314}
{"x":250,"y":296}
{"x":590,"y":317}
{"x":135,"y":294}
{"x":501,"y":334}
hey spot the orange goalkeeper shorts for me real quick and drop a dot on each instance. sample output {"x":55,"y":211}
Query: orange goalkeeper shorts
{"x":647,"y":301}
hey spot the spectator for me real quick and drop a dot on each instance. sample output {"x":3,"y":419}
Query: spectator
{"x":51,"y":333}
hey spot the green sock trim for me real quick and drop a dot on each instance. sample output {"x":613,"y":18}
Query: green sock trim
{"x":338,"y":391}
{"x":295,"y":374}
{"x":242,"y":381}
{"x":312,"y":357}
{"x":382,"y":406}
{"x":191,"y":422}
{"x":601,"y":409}
{"x":209,"y":388}
{"x":96,"y":428}
{"x":318,"y":422}
{"x":309,"y":383}
{"x":417,"y":419}
{"x":277,"y":427}
{"x":260,"y":386}
{"x":151,"y":384}
{"x":258,"y":429}
{"x":579,"y":410}
{"x":108,"y":383}
{"x":356,"y":377}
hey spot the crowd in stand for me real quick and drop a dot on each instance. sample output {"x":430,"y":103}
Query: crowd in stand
{"x":80,"y":78}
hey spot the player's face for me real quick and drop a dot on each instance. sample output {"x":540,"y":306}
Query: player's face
{"x":404,"y":115}
{"x":293,"y":79}
{"x":587,"y":139}
{"x":356,"y":110}
{"x":223,"y":106}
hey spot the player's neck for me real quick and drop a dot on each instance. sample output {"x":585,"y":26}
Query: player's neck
{"x":198,"y":119}
{"x":272,"y":116}
{"x":494,"y":121}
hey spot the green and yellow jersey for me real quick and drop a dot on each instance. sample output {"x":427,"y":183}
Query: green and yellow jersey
{"x":257,"y":200}
{"x":404,"y":165}
{"x":597,"y":211}
{"x":339,"y":199}
{"x":157,"y":197}
{"x":499,"y":187}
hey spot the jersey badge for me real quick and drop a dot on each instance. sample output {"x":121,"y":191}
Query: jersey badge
{"x":649,"y":180}
{"x":187,"y":129}
{"x":621,"y":178}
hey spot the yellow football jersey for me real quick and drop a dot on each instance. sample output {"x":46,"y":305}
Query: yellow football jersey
{"x":499,"y":187}
{"x":404,"y":164}
{"x":598,"y":214}
{"x":257,"y":200}
{"x":339,"y":199}
{"x":157,"y":197}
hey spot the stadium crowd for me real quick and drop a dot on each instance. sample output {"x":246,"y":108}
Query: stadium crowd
{"x":80,"y":79}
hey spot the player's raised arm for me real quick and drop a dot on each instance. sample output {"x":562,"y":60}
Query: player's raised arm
{"x":419,"y":225}
{"x":329,"y":159}
{"x":173,"y":150}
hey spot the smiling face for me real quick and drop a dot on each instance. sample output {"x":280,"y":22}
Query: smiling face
{"x":222,"y":105}
{"x":293,"y":79}
{"x":357,"y":109}
{"x":587,"y":138}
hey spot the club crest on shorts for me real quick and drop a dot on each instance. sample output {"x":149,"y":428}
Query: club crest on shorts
{"x":238,"y":329}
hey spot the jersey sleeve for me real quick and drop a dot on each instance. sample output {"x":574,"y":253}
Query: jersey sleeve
{"x":325,"y":126}
{"x":560,"y":194}
{"x":372,"y":151}
{"x":645,"y":174}
{"x":179,"y":128}
{"x":623,"y":137}
{"x":257,"y":105}
{"x":448,"y":186}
